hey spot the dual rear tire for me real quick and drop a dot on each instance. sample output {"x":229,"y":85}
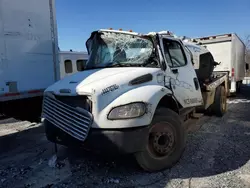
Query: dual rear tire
{"x":219,"y":107}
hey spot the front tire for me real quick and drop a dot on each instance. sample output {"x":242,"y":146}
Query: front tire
{"x":166,"y":141}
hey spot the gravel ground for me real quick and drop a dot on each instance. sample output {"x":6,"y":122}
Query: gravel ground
{"x":217,"y":155}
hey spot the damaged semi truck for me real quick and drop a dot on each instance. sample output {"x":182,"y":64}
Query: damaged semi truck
{"x":135,"y":95}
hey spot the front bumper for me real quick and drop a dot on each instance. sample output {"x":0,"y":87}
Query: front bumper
{"x":127,"y":140}
{"x":123,"y":140}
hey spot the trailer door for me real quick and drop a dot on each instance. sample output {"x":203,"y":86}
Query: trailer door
{"x":222,"y":53}
{"x":29,"y":44}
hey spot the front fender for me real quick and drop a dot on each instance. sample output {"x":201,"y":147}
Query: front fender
{"x":151,"y":95}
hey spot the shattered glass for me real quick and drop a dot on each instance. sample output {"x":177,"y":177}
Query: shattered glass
{"x":109,"y":48}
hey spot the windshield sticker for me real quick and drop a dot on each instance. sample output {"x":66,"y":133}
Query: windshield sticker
{"x":110,"y":89}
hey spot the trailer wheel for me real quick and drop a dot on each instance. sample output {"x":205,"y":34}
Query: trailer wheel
{"x":220,"y":101}
{"x":166,"y":142}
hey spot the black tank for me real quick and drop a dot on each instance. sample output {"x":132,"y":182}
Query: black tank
{"x":202,"y":59}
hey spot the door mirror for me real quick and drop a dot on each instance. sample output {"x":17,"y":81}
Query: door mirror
{"x":196,"y":83}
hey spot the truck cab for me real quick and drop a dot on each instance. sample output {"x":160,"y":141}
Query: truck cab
{"x":135,"y":94}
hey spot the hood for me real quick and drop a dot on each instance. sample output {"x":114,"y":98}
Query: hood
{"x":89,"y":81}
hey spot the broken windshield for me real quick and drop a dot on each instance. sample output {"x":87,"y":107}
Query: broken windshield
{"x":110,"y":49}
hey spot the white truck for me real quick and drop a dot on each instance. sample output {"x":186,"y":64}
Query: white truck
{"x":30,"y":59}
{"x":229,"y":51}
{"x":72,"y":62}
{"x":136,"y":95}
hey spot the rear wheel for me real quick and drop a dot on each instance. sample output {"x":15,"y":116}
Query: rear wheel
{"x":166,"y":142}
{"x":220,"y":101}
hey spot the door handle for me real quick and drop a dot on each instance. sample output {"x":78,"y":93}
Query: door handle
{"x":175,"y":71}
{"x":196,"y":83}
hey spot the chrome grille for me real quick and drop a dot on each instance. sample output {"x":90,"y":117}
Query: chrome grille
{"x":74,"y":121}
{"x":75,"y":101}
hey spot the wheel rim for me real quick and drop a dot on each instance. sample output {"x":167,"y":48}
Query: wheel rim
{"x":161,"y":141}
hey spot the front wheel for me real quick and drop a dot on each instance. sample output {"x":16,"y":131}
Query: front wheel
{"x":166,"y":142}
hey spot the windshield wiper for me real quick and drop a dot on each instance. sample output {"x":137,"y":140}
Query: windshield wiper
{"x":125,"y":65}
{"x":116,"y":64}
{"x":113,"y":64}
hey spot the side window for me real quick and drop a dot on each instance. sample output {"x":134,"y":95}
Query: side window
{"x":80,"y":64}
{"x":68,"y":66}
{"x":174,"y":53}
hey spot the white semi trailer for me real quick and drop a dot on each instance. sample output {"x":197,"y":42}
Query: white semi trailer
{"x":30,"y":59}
{"x":229,"y":51}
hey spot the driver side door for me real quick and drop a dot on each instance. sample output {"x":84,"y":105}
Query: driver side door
{"x":180,"y":74}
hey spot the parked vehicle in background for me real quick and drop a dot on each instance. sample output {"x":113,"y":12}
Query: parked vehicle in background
{"x":30,"y":60}
{"x":136,"y":96}
{"x":72,"y":62}
{"x":28,"y":54}
{"x":229,"y":51}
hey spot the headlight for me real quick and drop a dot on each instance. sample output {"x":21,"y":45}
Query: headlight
{"x":127,"y":111}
